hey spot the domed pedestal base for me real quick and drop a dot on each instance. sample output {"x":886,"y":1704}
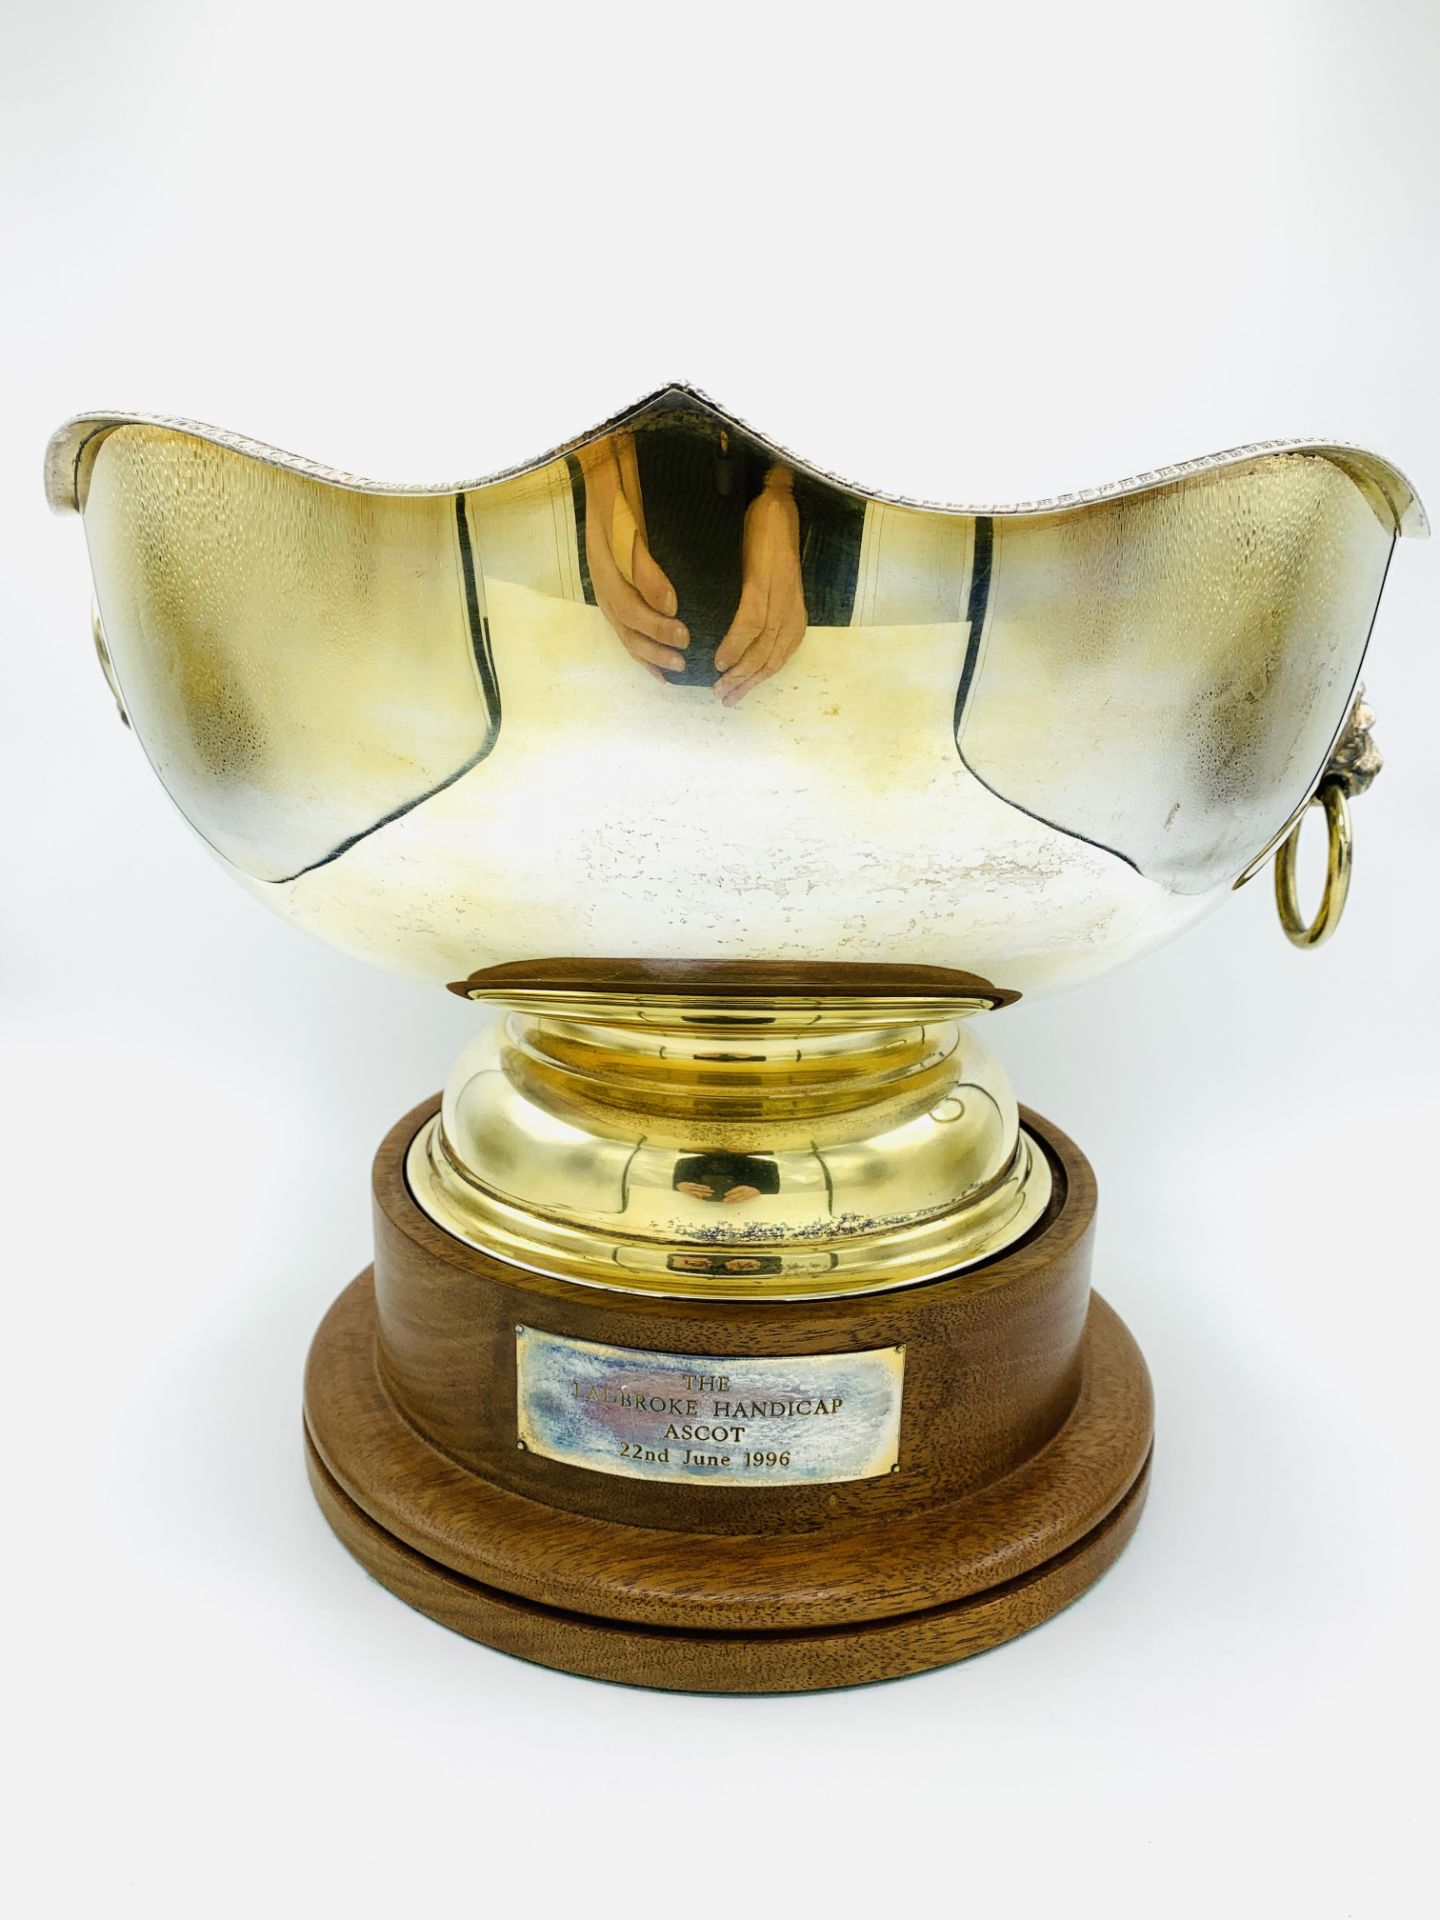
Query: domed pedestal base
{"x":729,"y":1496}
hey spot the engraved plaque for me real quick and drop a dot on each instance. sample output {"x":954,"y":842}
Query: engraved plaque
{"x":734,"y":1421}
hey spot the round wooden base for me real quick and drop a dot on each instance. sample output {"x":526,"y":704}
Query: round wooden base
{"x":1025,"y":1446}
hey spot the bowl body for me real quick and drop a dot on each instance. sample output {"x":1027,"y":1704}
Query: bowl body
{"x":668,"y":696}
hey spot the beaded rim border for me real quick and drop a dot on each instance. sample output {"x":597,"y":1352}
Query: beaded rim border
{"x":66,"y":458}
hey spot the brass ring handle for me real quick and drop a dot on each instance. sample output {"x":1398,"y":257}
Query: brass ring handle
{"x":1331,"y":796}
{"x":102,"y":654}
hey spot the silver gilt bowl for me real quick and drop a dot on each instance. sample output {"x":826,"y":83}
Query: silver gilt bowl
{"x":731,"y":789}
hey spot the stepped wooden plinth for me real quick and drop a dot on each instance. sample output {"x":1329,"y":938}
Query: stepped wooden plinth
{"x":1022,"y":1463}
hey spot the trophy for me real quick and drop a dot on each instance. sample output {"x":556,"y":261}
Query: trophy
{"x":730,"y":1325}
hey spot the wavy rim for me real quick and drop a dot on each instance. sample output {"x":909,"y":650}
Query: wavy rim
{"x":73,"y":443}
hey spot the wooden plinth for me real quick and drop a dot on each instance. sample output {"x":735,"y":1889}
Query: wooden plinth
{"x":1023,"y":1464}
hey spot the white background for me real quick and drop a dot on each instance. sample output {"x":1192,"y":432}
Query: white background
{"x":955,"y":252}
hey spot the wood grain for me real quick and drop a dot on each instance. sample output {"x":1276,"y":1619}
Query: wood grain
{"x":738,"y":980}
{"x":1025,"y":1440}
{"x":691,"y":1660}
{"x":992,"y":1357}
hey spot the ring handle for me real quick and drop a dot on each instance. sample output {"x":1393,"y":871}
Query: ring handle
{"x":102,"y":654}
{"x":1330,"y":795}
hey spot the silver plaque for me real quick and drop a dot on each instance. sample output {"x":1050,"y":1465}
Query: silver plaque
{"x":730,"y":1420}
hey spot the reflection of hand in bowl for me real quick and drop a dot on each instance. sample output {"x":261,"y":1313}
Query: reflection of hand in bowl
{"x":630,"y":589}
{"x":769,"y":622}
